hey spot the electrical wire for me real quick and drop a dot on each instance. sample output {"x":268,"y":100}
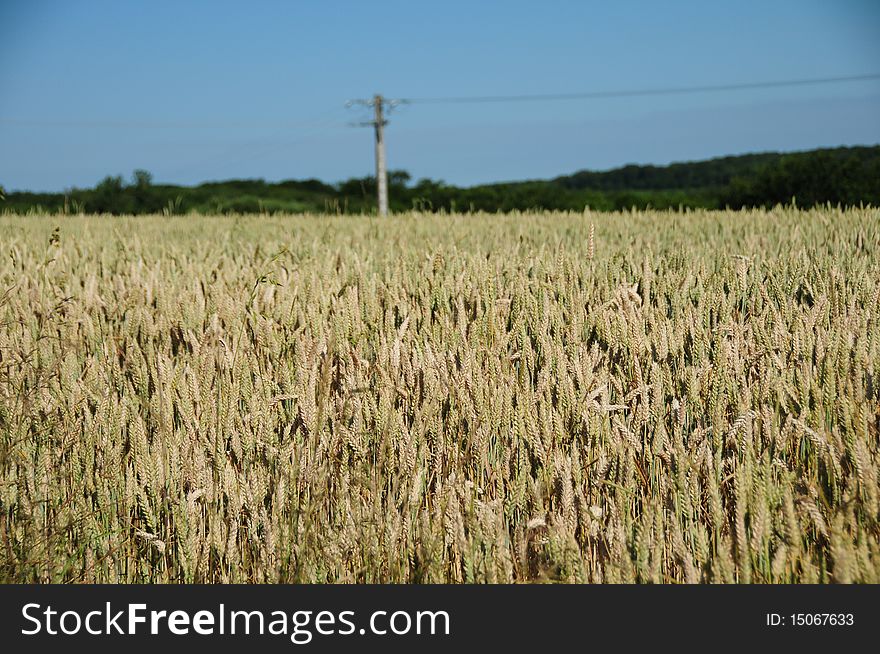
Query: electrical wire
{"x":595,"y":95}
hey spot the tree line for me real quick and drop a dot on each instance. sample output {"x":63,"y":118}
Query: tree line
{"x":845,"y":176}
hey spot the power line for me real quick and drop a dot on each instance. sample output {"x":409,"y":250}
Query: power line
{"x":116,"y":124}
{"x":235,"y":153}
{"x":595,"y":95}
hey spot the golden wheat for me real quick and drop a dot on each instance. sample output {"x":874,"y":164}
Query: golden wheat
{"x":630,"y":397}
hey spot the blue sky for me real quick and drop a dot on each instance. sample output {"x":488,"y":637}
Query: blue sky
{"x":194,"y":91}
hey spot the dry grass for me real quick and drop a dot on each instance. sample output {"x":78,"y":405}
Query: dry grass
{"x":648,"y":397}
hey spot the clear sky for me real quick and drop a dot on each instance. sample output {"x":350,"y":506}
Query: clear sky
{"x":195,"y":90}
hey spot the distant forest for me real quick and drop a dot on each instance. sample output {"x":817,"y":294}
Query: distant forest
{"x":846,"y":176}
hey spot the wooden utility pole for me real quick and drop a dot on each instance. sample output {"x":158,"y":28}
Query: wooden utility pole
{"x":381,"y":172}
{"x":379,"y":104}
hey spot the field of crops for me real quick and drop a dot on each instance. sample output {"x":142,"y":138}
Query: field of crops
{"x":630,"y":397}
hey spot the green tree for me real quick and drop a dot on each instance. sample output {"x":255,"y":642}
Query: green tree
{"x":145,"y":200}
{"x":141,"y":179}
{"x":109,"y":196}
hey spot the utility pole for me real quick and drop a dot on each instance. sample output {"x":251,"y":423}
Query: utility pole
{"x":379,"y":104}
{"x":381,"y":172}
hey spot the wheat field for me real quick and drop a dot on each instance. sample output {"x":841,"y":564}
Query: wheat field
{"x":648,"y":397}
